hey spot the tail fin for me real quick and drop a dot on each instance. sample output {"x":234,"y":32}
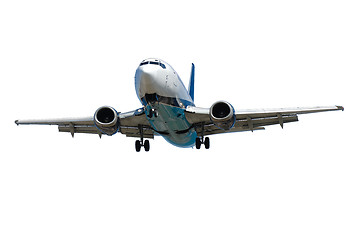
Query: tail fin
{"x":191,"y":82}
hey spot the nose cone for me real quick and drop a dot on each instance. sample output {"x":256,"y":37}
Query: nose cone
{"x":147,"y":80}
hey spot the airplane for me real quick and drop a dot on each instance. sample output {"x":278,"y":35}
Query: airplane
{"x":168,"y":110}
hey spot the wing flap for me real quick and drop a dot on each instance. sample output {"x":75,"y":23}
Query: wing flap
{"x":135,"y":132}
{"x":212,"y":129}
{"x":253,"y":123}
{"x":79,"y":129}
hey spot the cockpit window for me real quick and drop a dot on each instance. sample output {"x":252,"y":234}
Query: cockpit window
{"x":154,"y":63}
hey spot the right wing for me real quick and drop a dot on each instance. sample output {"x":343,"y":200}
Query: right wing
{"x":130,"y":124}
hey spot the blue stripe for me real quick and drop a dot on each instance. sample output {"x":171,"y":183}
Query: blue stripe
{"x":192,"y":82}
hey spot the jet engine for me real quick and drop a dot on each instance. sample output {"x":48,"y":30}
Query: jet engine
{"x":222,"y":114}
{"x":106,"y":120}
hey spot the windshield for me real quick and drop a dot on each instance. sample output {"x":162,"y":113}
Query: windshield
{"x":154,"y":63}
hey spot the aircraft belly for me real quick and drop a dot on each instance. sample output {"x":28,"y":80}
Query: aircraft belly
{"x":170,"y":123}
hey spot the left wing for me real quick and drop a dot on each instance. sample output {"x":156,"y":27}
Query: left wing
{"x":250,"y":119}
{"x":130,"y":124}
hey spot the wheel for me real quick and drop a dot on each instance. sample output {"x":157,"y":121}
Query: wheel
{"x":147,"y":145}
{"x":198,"y":143}
{"x":137,"y":145}
{"x":207,"y":143}
{"x":152,"y":113}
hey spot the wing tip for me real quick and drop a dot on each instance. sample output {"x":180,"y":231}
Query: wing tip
{"x":340,"y":108}
{"x":17,"y":122}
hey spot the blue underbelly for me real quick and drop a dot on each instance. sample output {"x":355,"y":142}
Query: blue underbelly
{"x":170,"y":123}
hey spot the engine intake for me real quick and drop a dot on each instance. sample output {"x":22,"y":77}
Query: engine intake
{"x":106,"y":120}
{"x":222,"y":114}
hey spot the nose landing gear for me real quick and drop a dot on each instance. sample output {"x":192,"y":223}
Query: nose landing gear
{"x":152,"y":113}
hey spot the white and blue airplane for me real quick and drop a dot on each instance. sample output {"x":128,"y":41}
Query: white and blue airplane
{"x":168,"y":110}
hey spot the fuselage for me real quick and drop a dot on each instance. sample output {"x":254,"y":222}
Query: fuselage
{"x":164,"y":97}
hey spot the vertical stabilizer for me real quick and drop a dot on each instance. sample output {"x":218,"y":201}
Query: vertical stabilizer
{"x":191,"y":82}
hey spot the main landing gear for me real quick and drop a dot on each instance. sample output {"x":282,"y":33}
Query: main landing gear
{"x":141,"y":143}
{"x":200,"y":141}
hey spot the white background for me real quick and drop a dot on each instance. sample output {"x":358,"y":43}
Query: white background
{"x":67,"y":58}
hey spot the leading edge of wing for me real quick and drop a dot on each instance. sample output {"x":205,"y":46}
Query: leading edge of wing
{"x":57,"y":121}
{"x":197,"y":114}
{"x":131,"y":118}
{"x":296,"y":110}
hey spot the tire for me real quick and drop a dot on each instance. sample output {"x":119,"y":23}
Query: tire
{"x":147,"y":145}
{"x":207,"y":143}
{"x":137,"y":145}
{"x":197,"y":143}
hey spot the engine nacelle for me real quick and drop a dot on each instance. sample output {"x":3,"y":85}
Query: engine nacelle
{"x":106,"y":120}
{"x":222,"y":114}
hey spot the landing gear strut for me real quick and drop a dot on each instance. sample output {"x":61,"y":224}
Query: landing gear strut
{"x":141,"y":143}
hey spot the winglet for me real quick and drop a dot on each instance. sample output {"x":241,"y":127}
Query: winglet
{"x":192,"y":82}
{"x":17,"y":122}
{"x":340,"y":108}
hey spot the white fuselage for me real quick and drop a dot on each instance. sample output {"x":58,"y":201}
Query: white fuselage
{"x":164,"y":96}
